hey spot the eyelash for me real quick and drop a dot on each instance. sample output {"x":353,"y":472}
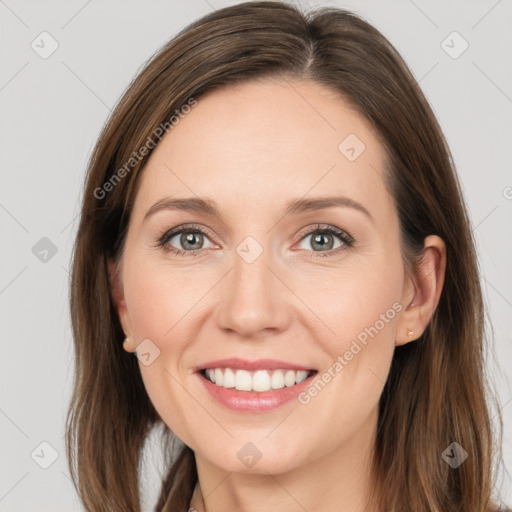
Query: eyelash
{"x":347,"y":240}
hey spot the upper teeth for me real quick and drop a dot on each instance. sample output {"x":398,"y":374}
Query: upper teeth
{"x":259,"y":380}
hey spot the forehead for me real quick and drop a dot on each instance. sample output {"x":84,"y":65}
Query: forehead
{"x":264,"y":143}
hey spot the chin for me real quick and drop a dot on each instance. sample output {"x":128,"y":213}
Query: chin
{"x":257,"y":458}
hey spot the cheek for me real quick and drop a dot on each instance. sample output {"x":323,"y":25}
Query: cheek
{"x":359,"y":302}
{"x":361,"y":308}
{"x":163,"y":303}
{"x":161,"y":299}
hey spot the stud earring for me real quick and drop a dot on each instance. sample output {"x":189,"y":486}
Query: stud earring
{"x":126,"y":340}
{"x":410,"y":333}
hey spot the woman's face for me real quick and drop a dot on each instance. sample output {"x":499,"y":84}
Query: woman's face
{"x":264,"y":281}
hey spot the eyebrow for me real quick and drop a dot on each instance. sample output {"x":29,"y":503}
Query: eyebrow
{"x":297,"y":206}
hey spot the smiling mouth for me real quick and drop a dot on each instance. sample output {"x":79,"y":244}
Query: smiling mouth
{"x":258,"y":381}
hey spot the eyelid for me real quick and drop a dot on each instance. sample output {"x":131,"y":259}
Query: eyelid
{"x":308,"y":230}
{"x":169,"y":234}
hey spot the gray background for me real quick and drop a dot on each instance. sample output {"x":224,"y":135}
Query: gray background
{"x":52,"y":111}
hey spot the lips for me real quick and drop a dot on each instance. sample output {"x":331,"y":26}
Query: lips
{"x":254,"y":386}
{"x":259,"y":364}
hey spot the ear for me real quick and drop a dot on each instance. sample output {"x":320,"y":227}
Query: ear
{"x":422,"y":291}
{"x":120,"y":304}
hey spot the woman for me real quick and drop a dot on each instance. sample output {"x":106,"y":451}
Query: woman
{"x":272,"y":224}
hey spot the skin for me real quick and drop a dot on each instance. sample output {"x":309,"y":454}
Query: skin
{"x":252,"y":148}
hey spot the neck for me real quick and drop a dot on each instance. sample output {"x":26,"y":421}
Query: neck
{"x":339,"y":480}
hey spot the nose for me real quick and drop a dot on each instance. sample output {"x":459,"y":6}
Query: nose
{"x":253,"y":299}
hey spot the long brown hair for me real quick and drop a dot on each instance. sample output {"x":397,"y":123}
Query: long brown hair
{"x":436,"y":392}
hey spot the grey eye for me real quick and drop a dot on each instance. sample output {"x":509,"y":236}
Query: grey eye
{"x":322,"y":241}
{"x":190,"y":240}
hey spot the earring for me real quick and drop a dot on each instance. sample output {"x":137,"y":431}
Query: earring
{"x":410,"y":333}
{"x":126,"y":340}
